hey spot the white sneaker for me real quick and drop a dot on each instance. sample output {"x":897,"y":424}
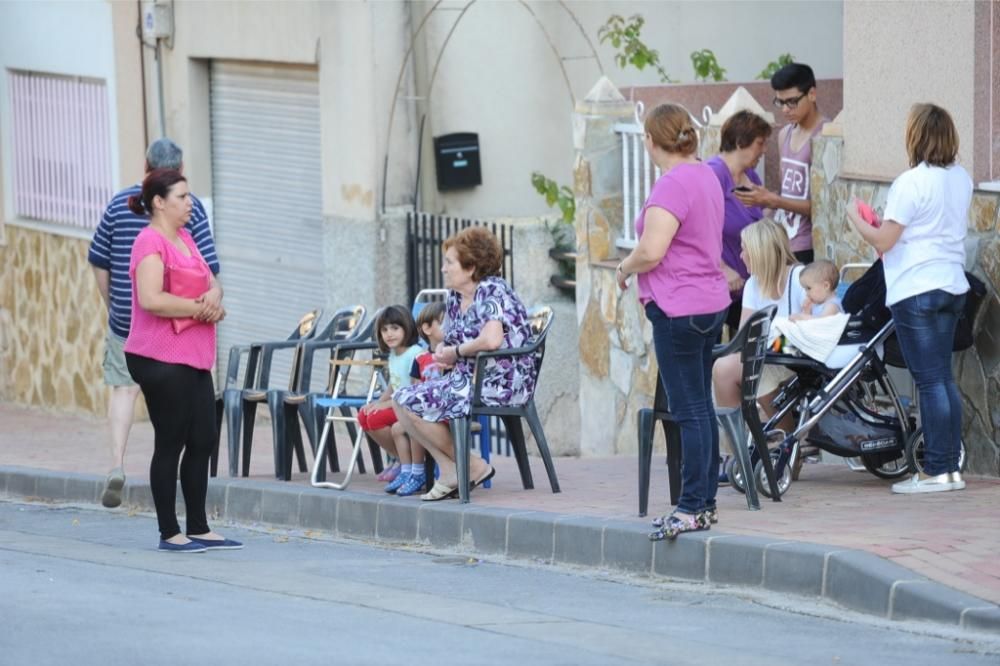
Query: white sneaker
{"x":957,"y":483}
{"x":930,"y":484}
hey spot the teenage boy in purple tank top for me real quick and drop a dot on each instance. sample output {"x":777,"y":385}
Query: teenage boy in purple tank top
{"x":795,"y":95}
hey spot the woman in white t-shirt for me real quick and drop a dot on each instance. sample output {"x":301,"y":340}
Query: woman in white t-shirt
{"x":922,"y":239}
{"x":774,"y":280}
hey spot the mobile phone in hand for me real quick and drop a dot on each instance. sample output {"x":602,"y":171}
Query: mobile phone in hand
{"x":741,"y":188}
{"x":868,"y":214}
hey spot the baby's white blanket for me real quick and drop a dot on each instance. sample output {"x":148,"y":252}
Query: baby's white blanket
{"x":816,"y":338}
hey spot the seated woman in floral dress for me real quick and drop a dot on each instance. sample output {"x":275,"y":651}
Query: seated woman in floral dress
{"x":483,"y":314}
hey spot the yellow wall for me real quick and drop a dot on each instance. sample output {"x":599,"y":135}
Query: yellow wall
{"x":52,"y":323}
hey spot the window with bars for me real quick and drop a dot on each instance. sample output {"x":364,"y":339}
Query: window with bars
{"x":61,"y":146}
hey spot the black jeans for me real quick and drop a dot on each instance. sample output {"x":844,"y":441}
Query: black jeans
{"x":684,"y":354}
{"x":181,"y":404}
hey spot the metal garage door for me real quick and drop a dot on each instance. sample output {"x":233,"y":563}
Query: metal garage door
{"x":267,"y":207}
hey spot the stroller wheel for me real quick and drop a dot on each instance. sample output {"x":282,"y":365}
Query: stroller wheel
{"x":885,"y":468}
{"x":915,"y":452}
{"x":784,"y":479}
{"x":734,"y":471}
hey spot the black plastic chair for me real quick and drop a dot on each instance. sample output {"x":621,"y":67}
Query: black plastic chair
{"x":307,"y":405}
{"x":751,"y":343}
{"x":240,"y":402}
{"x":541,"y":320}
{"x":647,"y":419}
{"x":283,"y":404}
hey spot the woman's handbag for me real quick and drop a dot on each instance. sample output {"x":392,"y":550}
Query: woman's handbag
{"x":973,"y":299}
{"x":186,"y":282}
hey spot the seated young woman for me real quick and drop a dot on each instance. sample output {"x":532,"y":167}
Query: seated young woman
{"x":774,"y":280}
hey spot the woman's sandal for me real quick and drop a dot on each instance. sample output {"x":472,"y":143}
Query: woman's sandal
{"x":484,"y":478}
{"x":711,"y":516}
{"x":674,"y":525}
{"x":440,"y":492}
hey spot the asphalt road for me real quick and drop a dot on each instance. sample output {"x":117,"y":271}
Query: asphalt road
{"x":87,"y":587}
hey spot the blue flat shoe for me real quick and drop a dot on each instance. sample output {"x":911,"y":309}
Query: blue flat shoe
{"x":398,"y":482}
{"x":217,"y":544}
{"x":414,"y":484}
{"x":190,"y":547}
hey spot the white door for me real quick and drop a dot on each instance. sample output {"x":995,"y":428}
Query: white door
{"x":266,"y":197}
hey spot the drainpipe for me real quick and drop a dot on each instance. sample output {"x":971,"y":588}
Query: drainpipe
{"x":159,"y":88}
{"x":142,"y":73}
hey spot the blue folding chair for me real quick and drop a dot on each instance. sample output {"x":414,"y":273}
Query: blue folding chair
{"x":342,"y":407}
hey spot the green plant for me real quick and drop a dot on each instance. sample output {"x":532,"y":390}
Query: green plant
{"x":775,"y":65}
{"x":559,"y":196}
{"x":563,"y":231}
{"x":706,"y":66}
{"x":623,"y":34}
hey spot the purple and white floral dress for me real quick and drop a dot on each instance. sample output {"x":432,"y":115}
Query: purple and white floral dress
{"x":506,"y":381}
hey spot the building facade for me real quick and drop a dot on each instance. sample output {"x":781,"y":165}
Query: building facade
{"x":308,"y":129}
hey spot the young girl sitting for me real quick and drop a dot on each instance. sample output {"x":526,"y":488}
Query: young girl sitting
{"x":429,"y":322}
{"x":396,"y":334}
{"x":819,"y":280}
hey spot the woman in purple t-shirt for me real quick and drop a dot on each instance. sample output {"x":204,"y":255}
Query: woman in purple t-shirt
{"x":742,"y":142}
{"x":681,"y":285}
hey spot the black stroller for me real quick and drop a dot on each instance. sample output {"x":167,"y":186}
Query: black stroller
{"x":855,"y":411}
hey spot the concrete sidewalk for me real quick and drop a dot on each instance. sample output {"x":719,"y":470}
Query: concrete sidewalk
{"x":838,"y":534}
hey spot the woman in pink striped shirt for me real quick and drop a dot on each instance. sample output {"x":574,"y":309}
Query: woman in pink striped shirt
{"x":172,"y":364}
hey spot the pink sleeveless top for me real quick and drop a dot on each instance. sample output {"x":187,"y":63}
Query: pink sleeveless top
{"x":794,"y":171}
{"x":153,"y":336}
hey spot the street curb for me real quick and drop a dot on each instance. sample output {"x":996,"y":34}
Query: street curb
{"x":854,"y":579}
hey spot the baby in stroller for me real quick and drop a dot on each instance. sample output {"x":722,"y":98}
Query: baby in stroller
{"x":854,"y":411}
{"x":819,"y":280}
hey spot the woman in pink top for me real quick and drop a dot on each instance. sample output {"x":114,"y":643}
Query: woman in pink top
{"x":172,"y":363}
{"x":681,"y":284}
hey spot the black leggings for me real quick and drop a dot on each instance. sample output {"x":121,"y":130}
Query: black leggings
{"x":181,"y":404}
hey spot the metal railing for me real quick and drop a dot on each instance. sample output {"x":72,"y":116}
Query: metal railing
{"x":425,"y":232}
{"x":638,"y":171}
{"x":61,"y":148}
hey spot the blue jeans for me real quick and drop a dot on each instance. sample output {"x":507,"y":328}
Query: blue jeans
{"x":925,"y":327}
{"x":684,"y":354}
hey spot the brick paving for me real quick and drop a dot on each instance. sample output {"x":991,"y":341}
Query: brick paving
{"x":952,"y":538}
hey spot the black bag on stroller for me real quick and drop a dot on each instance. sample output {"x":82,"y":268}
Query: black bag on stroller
{"x":973,"y":299}
{"x":864,"y":300}
{"x":844,"y":432}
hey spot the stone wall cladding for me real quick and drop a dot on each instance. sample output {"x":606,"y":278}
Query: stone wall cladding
{"x":52,"y":323}
{"x":977,"y":369}
{"x":618,"y":370}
